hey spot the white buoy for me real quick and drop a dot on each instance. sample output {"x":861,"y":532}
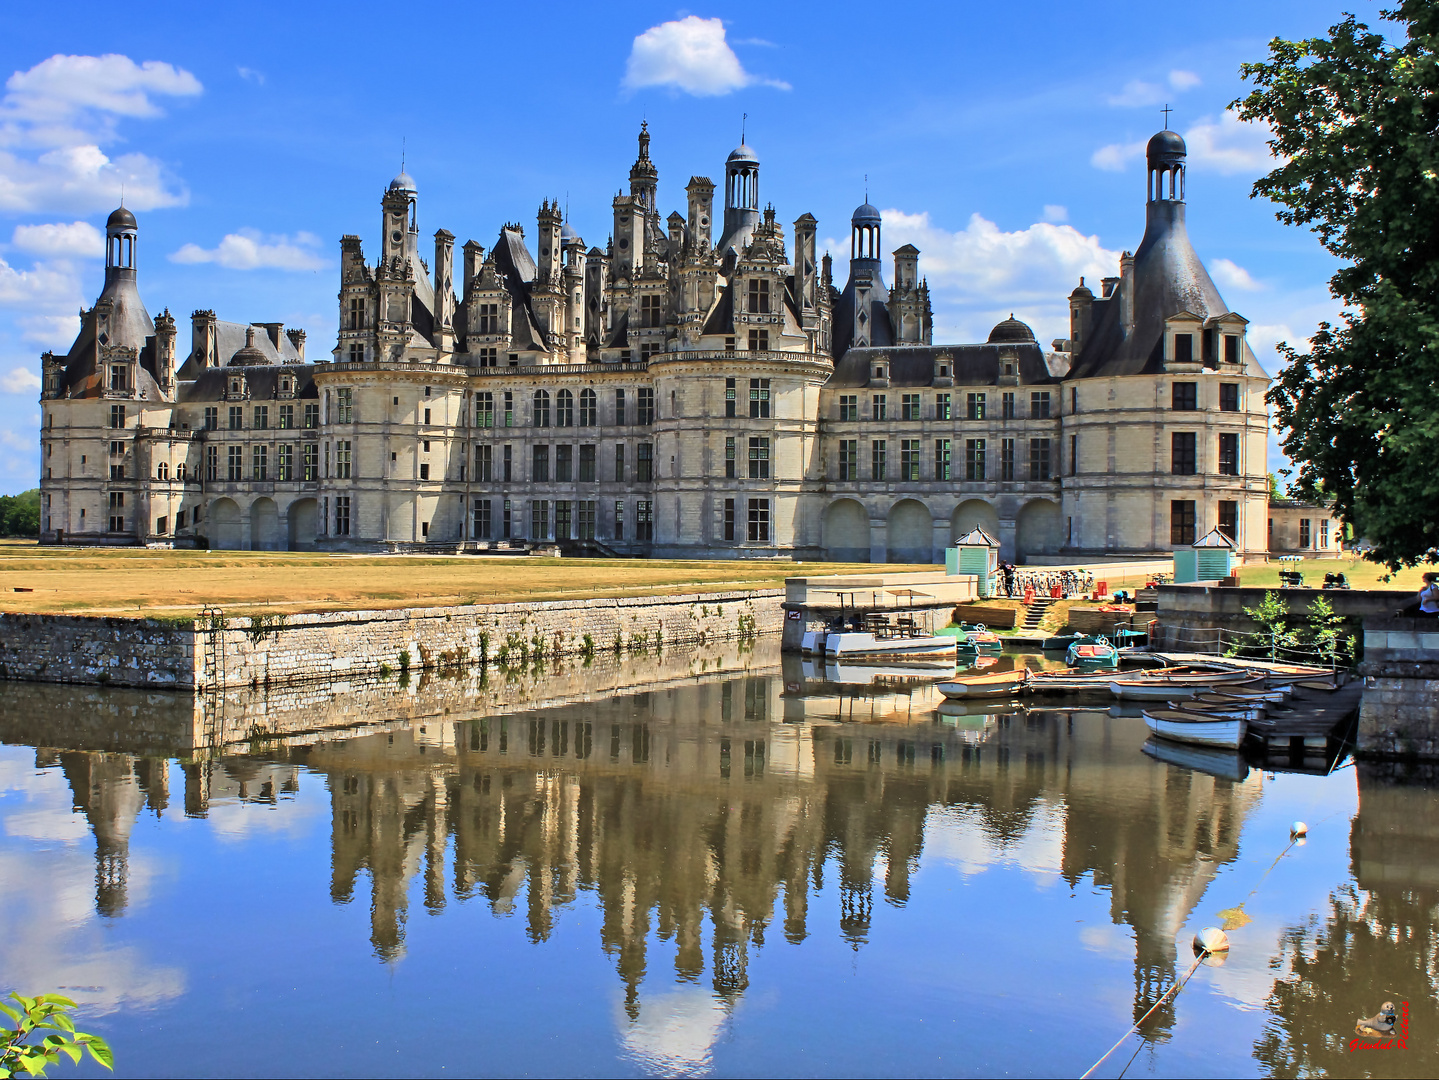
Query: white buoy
{"x":1298,"y":829}
{"x":1211,"y":940}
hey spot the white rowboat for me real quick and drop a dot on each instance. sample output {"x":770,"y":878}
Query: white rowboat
{"x":1191,"y":728}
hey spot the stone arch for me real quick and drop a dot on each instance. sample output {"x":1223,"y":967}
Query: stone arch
{"x":844,"y":531}
{"x":970,"y":514}
{"x":1036,"y":529}
{"x":303,"y":521}
{"x":909,"y":534}
{"x":226,"y":526}
{"x":265,"y":526}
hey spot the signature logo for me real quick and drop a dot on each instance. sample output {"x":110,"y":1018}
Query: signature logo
{"x":1388,"y":1029}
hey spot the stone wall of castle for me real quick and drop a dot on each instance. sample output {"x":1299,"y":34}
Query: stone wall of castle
{"x":1399,"y":716}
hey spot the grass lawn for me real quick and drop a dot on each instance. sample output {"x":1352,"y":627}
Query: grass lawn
{"x":1360,"y":574}
{"x":139,"y":581}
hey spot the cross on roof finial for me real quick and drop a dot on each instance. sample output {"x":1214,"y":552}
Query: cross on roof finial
{"x":1166,"y":111}
{"x":743,"y":123}
{"x":402,"y":153}
{"x":866,"y":187}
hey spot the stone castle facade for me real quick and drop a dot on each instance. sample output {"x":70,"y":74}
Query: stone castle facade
{"x":696,"y":387}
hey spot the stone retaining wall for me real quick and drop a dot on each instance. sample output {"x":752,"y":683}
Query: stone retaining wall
{"x":1399,"y":715}
{"x":266,"y":650}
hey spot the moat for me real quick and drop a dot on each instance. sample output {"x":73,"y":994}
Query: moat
{"x":696,"y":863}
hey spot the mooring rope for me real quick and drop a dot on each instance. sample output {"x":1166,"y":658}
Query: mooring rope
{"x":1135,"y":1026}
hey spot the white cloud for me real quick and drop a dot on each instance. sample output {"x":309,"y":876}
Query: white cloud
{"x":1183,"y":80}
{"x":55,"y":118}
{"x":15,"y":441}
{"x":251,"y":75}
{"x":1137,"y":92}
{"x":47,"y":296}
{"x":79,"y":239}
{"x":689,"y":54}
{"x":1231,"y":275}
{"x":979,"y":274}
{"x":1055,"y":214}
{"x":1116,"y":156}
{"x":1229,"y":145}
{"x":19,"y":380}
{"x":250,"y":250}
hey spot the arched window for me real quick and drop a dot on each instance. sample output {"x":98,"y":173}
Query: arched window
{"x":542,"y":408}
{"x":587,"y":408}
{"x":564,"y":409}
{"x":180,"y":472}
{"x":163,"y":472}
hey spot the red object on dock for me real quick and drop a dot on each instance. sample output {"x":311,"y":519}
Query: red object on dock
{"x":1029,"y":595}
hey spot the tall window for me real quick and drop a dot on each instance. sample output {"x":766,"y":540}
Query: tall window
{"x":312,"y":415}
{"x":620,"y":464}
{"x":941,"y":407}
{"x":974,"y":455}
{"x":586,"y":520}
{"x":564,"y":409}
{"x":235,"y":463}
{"x":588,"y":408}
{"x":645,"y":463}
{"x":1039,"y":459}
{"x":163,"y":471}
{"x":759,"y":521}
{"x":849,"y":459}
{"x":506,"y":519}
{"x":877,"y":407}
{"x":1229,"y":519}
{"x":645,"y":405}
{"x":729,"y":458}
{"x":587,"y":464}
{"x":261,"y":456}
{"x":237,"y":417}
{"x":619,"y":519}
{"x":540,"y":519}
{"x":909,"y":406}
{"x":1006,"y":459}
{"x":759,"y":296}
{"x":344,"y":405}
{"x":212,"y":418}
{"x":539,"y":464}
{"x":1184,"y":396}
{"x":1039,"y":405}
{"x":1006,"y":405}
{"x":563,"y":519}
{"x":541,"y":408}
{"x":1324,"y":532}
{"x":485,"y":409}
{"x":1182,"y":454}
{"x":212,"y":463}
{"x":759,"y":399}
{"x":1304,"y":532}
{"x":1184,"y":348}
{"x":482,"y":524}
{"x":651,"y":311}
{"x":1231,"y":348}
{"x":729,"y":519}
{"x":310,"y":461}
{"x":117,"y":511}
{"x":620,"y":408}
{"x":849,"y":406}
{"x":484,"y":463}
{"x":909,"y":459}
{"x":356,"y":353}
{"x":489,"y":318}
{"x":117,"y":416}
{"x":1181,"y":521}
{"x":1228,"y":397}
{"x":941,"y":459}
{"x":974,"y":406}
{"x":285,"y":462}
{"x":1073,"y":455}
{"x":644,"y":520}
{"x":729,"y":397}
{"x":357,"y":313}
{"x":758,"y":340}
{"x":564,"y":464}
{"x":877,"y":464}
{"x":262,"y":417}
{"x":287,"y":417}
{"x":1228,"y":454}
{"x":342,"y":459}
{"x":759,"y":459}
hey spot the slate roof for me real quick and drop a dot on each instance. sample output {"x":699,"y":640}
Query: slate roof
{"x":913,"y":365}
{"x":129,"y":326}
{"x":263,"y":383}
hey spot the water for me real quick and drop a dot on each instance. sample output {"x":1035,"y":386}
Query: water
{"x":642,"y":867}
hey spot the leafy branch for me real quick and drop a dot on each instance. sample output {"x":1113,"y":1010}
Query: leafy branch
{"x":19,"y":1052}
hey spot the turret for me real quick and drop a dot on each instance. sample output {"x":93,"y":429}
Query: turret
{"x":644,"y":177}
{"x":121,"y":232}
{"x":401,"y":225}
{"x":165,"y":353}
{"x":1081,"y":302}
{"x":701,"y":192}
{"x":741,"y":203}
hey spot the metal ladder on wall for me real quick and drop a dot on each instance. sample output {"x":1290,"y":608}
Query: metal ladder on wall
{"x":212,"y":626}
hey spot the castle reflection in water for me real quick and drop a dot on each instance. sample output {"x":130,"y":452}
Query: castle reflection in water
{"x":721,"y":799}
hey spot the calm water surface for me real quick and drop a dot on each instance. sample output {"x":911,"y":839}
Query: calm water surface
{"x":761,"y":871}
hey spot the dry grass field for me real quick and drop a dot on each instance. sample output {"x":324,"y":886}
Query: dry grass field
{"x":1360,"y":574}
{"x":137,"y":581}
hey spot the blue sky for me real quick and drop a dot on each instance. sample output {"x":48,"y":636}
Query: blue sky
{"x":1005,"y":141}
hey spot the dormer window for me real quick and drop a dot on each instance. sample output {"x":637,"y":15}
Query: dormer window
{"x":1231,"y":348}
{"x":881,"y":370}
{"x":1010,"y":368}
{"x":119,"y":377}
{"x":1183,"y":348}
{"x":944,"y":371}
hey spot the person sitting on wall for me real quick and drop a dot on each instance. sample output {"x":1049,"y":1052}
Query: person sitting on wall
{"x":1426,"y":604}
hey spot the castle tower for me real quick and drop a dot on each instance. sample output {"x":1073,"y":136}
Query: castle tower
{"x":121,"y":232}
{"x":741,"y":197}
{"x":644,"y":177}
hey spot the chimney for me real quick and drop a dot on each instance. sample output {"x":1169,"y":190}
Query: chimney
{"x":445,"y":290}
{"x":274,"y":330}
{"x":474,"y":258}
{"x":203,"y":346}
{"x":1126,"y":292}
{"x":165,"y":352}
{"x":297,"y":339}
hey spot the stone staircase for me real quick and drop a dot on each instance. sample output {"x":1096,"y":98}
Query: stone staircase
{"x":1033,"y":615}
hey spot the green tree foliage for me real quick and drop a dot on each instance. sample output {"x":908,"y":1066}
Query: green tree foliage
{"x":45,"y":1018}
{"x":1354,"y":117}
{"x":20,"y":514}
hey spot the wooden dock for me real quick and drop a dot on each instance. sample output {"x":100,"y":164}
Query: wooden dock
{"x":1314,"y":721}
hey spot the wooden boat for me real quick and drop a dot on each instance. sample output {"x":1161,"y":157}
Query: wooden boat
{"x":980,"y":639}
{"x":1191,"y":728}
{"x":1165,"y":688}
{"x":1226,"y":764}
{"x":858,"y":645}
{"x":1234,"y":710}
{"x":1066,"y":682}
{"x":1317,"y":684}
{"x":1229,"y":693}
{"x":991,"y":685}
{"x":1092,"y":652}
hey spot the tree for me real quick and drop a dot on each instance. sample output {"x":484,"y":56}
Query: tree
{"x":1354,"y":119}
{"x":46,"y":1018}
{"x":20,"y":514}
